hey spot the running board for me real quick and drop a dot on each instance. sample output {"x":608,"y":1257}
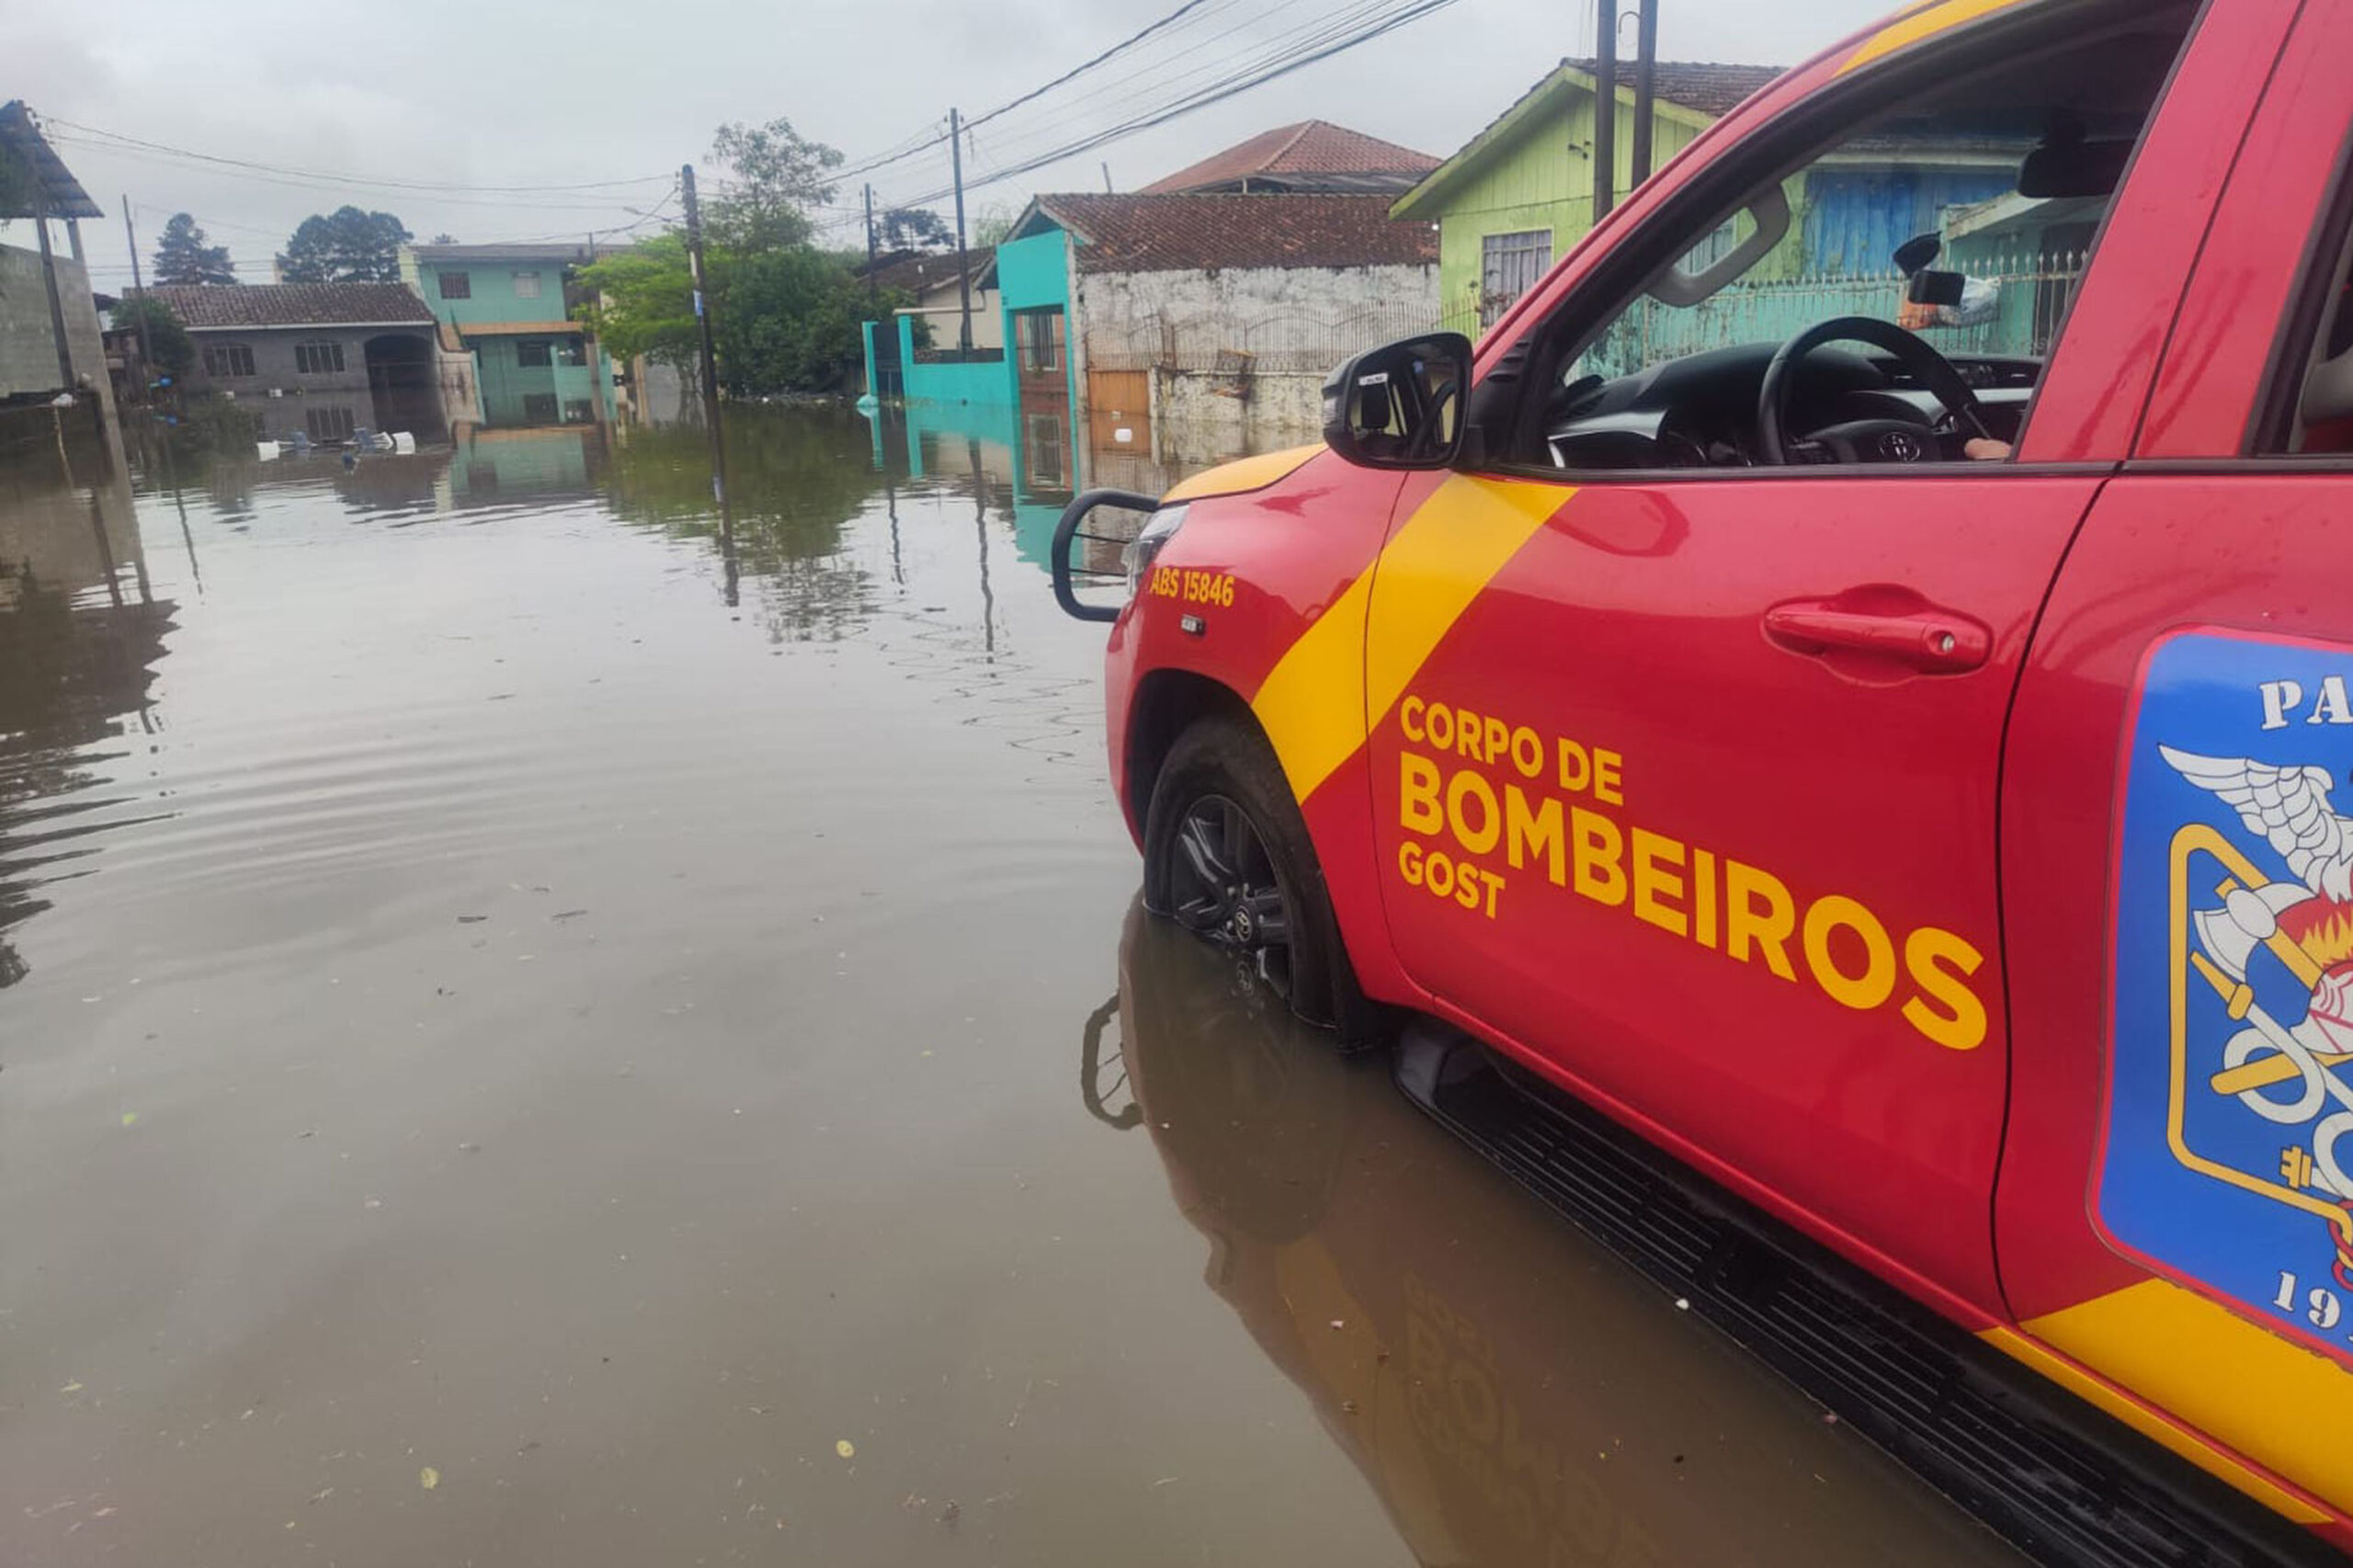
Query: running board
{"x":2057,"y":1479}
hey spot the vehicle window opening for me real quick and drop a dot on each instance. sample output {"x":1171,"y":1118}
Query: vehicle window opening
{"x":2320,"y":413}
{"x":1965,"y":216}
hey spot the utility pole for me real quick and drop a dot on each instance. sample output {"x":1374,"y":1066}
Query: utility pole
{"x":963,"y":268}
{"x":56,"y":305}
{"x":1645,"y":84}
{"x":873,"y":288}
{"x":1106,"y":178}
{"x":139,"y":291}
{"x":1605,"y":111}
{"x":702,"y":320}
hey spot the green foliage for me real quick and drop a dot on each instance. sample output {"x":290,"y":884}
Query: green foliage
{"x":183,"y":257}
{"x":169,"y":348}
{"x":789,"y":321}
{"x":775,"y":176}
{"x":914,"y":228}
{"x":645,"y":302}
{"x":991,"y":225}
{"x":346,"y":246}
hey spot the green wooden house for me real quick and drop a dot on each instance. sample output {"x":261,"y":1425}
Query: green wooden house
{"x":1516,"y":198}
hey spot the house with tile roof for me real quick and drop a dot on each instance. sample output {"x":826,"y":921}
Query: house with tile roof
{"x":320,"y":360}
{"x":1313,"y":156}
{"x":1518,"y":195}
{"x":1122,"y":310}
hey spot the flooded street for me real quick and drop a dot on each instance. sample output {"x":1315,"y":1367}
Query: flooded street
{"x":531,"y":1032}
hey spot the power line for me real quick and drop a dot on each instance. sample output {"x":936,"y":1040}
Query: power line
{"x":329,"y":185}
{"x":347,"y":180}
{"x":1241,"y":82}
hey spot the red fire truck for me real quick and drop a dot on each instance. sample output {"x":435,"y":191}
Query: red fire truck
{"x":1899,"y":771}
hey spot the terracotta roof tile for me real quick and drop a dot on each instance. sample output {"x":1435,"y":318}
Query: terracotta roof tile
{"x":1304,"y":156}
{"x":217,"y":307}
{"x":1194,"y":233}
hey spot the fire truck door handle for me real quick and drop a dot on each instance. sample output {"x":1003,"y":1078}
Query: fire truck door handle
{"x":1932,"y":641}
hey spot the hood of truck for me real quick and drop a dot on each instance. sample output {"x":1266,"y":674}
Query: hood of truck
{"x":1243,"y":474}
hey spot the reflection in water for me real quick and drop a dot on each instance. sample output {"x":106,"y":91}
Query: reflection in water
{"x":1513,"y":1395}
{"x":80,"y":633}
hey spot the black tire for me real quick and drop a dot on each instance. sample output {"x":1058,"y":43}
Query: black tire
{"x":1224,"y":891}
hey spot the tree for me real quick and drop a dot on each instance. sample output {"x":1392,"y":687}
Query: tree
{"x":445,"y":238}
{"x":789,"y":321}
{"x":182,"y":256}
{"x":346,"y":246}
{"x":169,"y":348}
{"x":643,"y":302}
{"x":990,"y":224}
{"x":914,"y":228}
{"x":777,"y":176}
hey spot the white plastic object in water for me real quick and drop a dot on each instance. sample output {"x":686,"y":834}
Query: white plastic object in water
{"x":265,"y":451}
{"x":403,"y":442}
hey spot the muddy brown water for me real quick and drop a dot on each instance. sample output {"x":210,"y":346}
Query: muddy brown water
{"x":530,"y":1034}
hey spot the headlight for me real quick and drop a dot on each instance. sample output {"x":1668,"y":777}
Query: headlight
{"x":1158,"y":529}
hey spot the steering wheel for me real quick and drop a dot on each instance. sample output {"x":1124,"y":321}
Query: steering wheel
{"x":1862,"y":440}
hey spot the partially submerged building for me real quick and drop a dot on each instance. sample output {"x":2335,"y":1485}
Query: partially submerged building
{"x":324,"y":360}
{"x":510,"y":307}
{"x":49,"y":339}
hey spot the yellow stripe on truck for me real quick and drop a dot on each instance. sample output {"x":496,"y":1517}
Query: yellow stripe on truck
{"x":1329,"y":689}
{"x":1924,"y":23}
{"x":1245,"y":473}
{"x":2280,"y":1404}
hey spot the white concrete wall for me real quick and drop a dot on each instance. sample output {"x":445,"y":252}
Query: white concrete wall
{"x":1199,"y":410}
{"x":27,"y":337}
{"x":1304,"y":319}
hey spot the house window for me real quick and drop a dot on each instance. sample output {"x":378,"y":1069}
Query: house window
{"x":223,"y":360}
{"x":579,"y":411}
{"x":1046,"y":469}
{"x":1509,"y":266}
{"x":318,"y":359}
{"x":532,"y":353}
{"x":570,"y":351}
{"x":456,"y":285}
{"x":1038,"y":336}
{"x":328,"y":424}
{"x":527,"y":285}
{"x":538,"y":408}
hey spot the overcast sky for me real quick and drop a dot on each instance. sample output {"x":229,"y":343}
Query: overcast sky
{"x":502,"y":93}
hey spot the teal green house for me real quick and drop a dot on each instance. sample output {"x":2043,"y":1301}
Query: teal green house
{"x":506,"y":305}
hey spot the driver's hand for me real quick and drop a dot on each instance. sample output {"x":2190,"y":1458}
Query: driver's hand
{"x":1985,"y":449}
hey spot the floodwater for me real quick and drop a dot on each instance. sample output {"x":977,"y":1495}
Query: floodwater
{"x":531,"y":1032}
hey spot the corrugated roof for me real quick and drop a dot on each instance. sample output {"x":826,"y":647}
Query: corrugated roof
{"x":1194,"y":233}
{"x":20,"y":134}
{"x":230,"y":306}
{"x":1712,"y":88}
{"x":1303,"y":156}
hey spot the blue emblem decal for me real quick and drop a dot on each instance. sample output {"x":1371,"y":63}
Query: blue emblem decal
{"x":2227,"y":1163}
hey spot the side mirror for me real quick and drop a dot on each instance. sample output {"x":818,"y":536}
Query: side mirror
{"x":1400,"y":406}
{"x":1916,"y":253}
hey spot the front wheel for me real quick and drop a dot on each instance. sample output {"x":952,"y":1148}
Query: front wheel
{"x":1227,"y":856}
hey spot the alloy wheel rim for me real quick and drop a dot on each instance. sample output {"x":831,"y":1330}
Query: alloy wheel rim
{"x":1222,"y":887}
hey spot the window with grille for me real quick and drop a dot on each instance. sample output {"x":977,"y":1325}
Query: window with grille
{"x":318,"y":359}
{"x":579,"y":411}
{"x":456,"y":285}
{"x":538,"y":408}
{"x":227,"y":359}
{"x":328,"y":424}
{"x":570,"y":351}
{"x":1509,"y":266}
{"x":532,"y":353}
{"x":527,"y":285}
{"x":1037,"y":336}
